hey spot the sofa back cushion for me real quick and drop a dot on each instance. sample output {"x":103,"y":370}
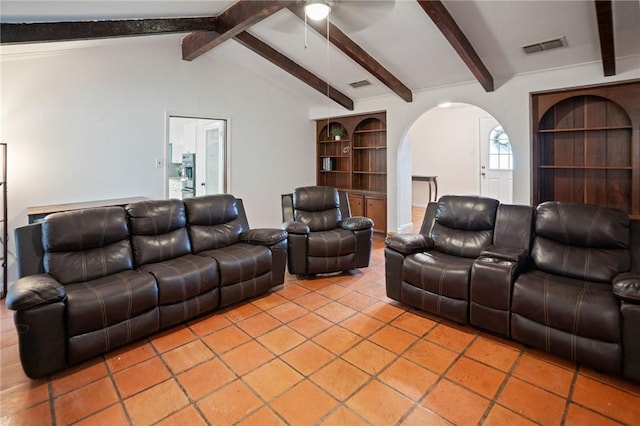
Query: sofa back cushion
{"x":215,"y":221}
{"x":158,"y":230}
{"x":83,"y":245}
{"x":581,"y":241}
{"x":464,"y":225}
{"x":318,"y":207}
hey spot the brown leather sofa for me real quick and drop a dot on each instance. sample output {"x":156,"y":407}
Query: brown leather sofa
{"x":323,"y":237}
{"x":562,"y":277}
{"x":95,"y":279}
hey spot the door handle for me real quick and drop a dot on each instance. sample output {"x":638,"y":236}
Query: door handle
{"x":483,"y":174}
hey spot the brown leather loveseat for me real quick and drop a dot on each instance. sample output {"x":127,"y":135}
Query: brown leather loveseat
{"x":561,"y":277}
{"x":95,"y":279}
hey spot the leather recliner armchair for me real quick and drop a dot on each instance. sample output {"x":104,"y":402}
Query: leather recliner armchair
{"x":321,"y":239}
{"x":431,"y":270}
{"x":569,"y":302}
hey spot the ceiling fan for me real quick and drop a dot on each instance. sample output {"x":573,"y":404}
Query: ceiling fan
{"x":349,"y":15}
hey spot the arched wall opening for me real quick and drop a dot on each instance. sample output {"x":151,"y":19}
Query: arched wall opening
{"x":452,"y":143}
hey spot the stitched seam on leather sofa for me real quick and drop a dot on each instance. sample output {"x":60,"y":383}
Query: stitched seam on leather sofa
{"x":576,"y":321}
{"x":130,"y":304}
{"x":587,"y":264}
{"x":440,"y":285}
{"x":546,"y":315}
{"x":197,"y":271}
{"x":103,"y":309}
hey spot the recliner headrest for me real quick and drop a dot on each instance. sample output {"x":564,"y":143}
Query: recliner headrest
{"x":314,"y":198}
{"x":583,"y":225}
{"x":469,"y":213}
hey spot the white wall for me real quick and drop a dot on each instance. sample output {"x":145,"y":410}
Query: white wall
{"x":444,"y":141}
{"x":87,"y":123}
{"x":509,"y":104}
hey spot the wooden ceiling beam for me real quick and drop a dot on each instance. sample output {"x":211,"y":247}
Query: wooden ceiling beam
{"x":234,"y":20}
{"x":280,"y":60}
{"x":340,"y":40}
{"x":604,"y":14}
{"x":452,"y":32}
{"x":41,"y":32}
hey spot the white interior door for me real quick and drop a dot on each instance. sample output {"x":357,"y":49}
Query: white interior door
{"x":496,"y":168}
{"x":215,"y":154}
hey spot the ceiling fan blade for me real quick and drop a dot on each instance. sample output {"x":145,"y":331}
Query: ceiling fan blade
{"x":355,"y":15}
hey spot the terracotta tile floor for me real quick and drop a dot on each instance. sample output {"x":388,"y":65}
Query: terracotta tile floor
{"x":326,"y":351}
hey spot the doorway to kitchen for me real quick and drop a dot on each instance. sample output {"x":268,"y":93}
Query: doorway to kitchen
{"x":197,"y":156}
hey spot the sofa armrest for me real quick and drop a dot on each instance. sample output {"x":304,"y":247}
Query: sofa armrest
{"x":34,"y":290}
{"x":626,"y":286}
{"x":264,"y":236}
{"x":505,"y":253}
{"x":409,"y":243}
{"x":356,"y":223}
{"x":294,"y":227}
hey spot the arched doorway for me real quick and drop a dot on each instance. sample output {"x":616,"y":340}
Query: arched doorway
{"x":454,"y":143}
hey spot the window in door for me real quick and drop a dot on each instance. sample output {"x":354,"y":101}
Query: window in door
{"x":500,"y":154}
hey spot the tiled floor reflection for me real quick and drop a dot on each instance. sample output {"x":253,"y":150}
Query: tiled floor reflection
{"x":325,"y":351}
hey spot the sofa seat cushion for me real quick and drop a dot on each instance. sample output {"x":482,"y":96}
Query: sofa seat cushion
{"x":98,"y":304}
{"x":332,"y":243}
{"x":580,"y":308}
{"x":184,"y":277}
{"x":438,"y":273}
{"x":240,"y":262}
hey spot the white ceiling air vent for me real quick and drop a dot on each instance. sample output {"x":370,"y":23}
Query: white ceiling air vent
{"x":556,"y":43}
{"x":360,"y":83}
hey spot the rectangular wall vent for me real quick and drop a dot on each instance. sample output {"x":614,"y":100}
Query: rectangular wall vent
{"x":360,"y":83}
{"x":556,"y":43}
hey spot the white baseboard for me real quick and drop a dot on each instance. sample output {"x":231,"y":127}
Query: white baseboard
{"x":405,"y":227}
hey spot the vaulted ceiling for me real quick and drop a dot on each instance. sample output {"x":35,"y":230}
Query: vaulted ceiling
{"x":399,"y":46}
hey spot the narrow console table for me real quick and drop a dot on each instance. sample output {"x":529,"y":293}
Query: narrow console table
{"x":432,"y":182}
{"x":36,"y":214}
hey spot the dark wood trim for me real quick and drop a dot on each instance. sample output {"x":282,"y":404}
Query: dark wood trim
{"x":277,"y":58}
{"x":604,"y":14}
{"x":40,"y":32}
{"x":452,"y":32}
{"x":237,"y":18}
{"x":340,"y":40}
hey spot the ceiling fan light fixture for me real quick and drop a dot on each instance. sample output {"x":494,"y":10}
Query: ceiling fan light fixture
{"x":317,"y":10}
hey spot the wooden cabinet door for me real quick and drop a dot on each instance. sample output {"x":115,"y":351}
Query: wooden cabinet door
{"x":356,"y":202}
{"x":376,"y":210}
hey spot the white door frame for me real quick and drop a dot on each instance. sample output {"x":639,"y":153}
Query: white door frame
{"x":225,"y":133}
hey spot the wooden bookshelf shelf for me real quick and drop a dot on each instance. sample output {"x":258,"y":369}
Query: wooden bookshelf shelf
{"x":358,"y":163}
{"x":586,"y":167}
{"x":586,"y":129}
{"x":584,"y":147}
